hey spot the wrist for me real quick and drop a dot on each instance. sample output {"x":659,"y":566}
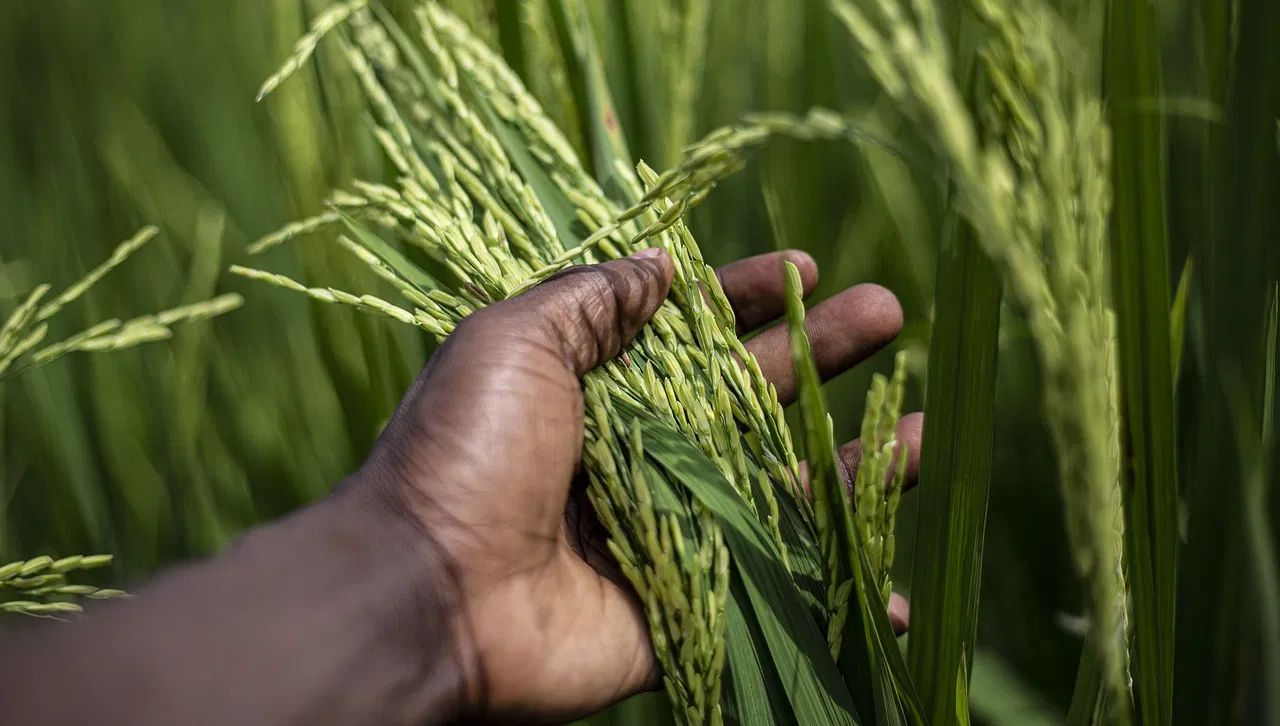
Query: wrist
{"x":413,"y":605}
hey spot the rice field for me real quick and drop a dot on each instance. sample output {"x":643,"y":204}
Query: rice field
{"x":1073,"y":200}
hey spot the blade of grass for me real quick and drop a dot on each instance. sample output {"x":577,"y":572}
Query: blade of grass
{"x":598,"y":116}
{"x":955,"y":468}
{"x":390,"y":256}
{"x":511,"y":35}
{"x":1001,"y":696}
{"x":834,"y":517}
{"x":1140,"y":254}
{"x":889,"y":663}
{"x":1261,"y":535}
{"x":1087,"y":695}
{"x":869,"y":654}
{"x":962,"y":693}
{"x":560,"y":209}
{"x":1232,"y":283}
{"x":755,"y":694}
{"x":1178,"y":319}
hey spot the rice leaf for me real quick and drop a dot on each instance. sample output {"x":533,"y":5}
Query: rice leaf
{"x":906,"y":706}
{"x":404,"y":268}
{"x":1087,"y":694}
{"x":1178,"y":319}
{"x":962,"y":693}
{"x":511,"y":35}
{"x":598,"y":117}
{"x":562,"y":212}
{"x":754,"y":695}
{"x":1260,"y":530}
{"x":1140,"y":254}
{"x":955,"y":470}
{"x":1001,"y":696}
{"x":868,"y":652}
{"x":1232,"y":281}
{"x":833,"y":514}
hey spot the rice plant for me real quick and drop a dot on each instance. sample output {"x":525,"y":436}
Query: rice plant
{"x":1089,"y":543}
{"x":496,"y":197}
{"x":39,"y":586}
{"x":22,"y":338}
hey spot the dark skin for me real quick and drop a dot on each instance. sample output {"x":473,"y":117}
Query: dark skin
{"x":456,"y":577}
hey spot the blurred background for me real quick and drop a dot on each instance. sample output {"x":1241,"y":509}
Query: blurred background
{"x":120,"y":113}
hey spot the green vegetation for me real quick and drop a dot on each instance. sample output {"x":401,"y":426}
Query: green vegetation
{"x":1093,"y":538}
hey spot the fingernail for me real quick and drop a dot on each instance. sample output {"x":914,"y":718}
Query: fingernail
{"x":649,"y":253}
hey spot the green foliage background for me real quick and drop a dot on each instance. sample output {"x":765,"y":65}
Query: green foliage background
{"x":119,"y":113}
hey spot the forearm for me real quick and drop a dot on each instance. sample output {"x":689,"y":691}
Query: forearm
{"x":333,"y":616}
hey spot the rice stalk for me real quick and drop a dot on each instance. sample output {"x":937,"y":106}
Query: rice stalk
{"x":26,"y":327}
{"x":331,"y":18}
{"x":121,"y":253}
{"x":1033,"y":181}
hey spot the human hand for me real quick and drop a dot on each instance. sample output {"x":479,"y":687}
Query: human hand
{"x":481,"y":457}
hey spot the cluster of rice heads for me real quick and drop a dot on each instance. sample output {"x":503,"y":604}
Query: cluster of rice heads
{"x":747,"y":585}
{"x":40,"y":588}
{"x":23,"y":335}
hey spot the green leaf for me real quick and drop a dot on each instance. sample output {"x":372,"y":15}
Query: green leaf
{"x":888,"y":664}
{"x":1085,"y":699}
{"x":1001,"y":696}
{"x":869,"y":657}
{"x":511,"y":35}
{"x":1140,"y":253}
{"x":390,"y":256}
{"x":754,"y":694}
{"x":1235,"y":268}
{"x":646,"y":709}
{"x":1178,"y":320}
{"x":955,"y":470}
{"x":1261,"y":534}
{"x":832,"y":510}
{"x":598,"y":117}
{"x":562,"y":212}
{"x":962,"y":693}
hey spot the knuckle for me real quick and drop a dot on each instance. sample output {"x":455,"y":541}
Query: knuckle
{"x":587,"y":326}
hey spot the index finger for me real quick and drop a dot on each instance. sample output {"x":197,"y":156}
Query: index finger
{"x":755,"y":286}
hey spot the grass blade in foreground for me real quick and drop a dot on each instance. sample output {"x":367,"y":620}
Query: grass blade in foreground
{"x":598,"y":117}
{"x":1178,"y":319}
{"x":1232,"y":284}
{"x":834,"y":516}
{"x":955,"y":469}
{"x":1260,"y":531}
{"x":1140,"y":254}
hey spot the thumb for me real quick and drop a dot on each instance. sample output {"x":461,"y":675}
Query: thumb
{"x":586,"y":314}
{"x":507,"y":375}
